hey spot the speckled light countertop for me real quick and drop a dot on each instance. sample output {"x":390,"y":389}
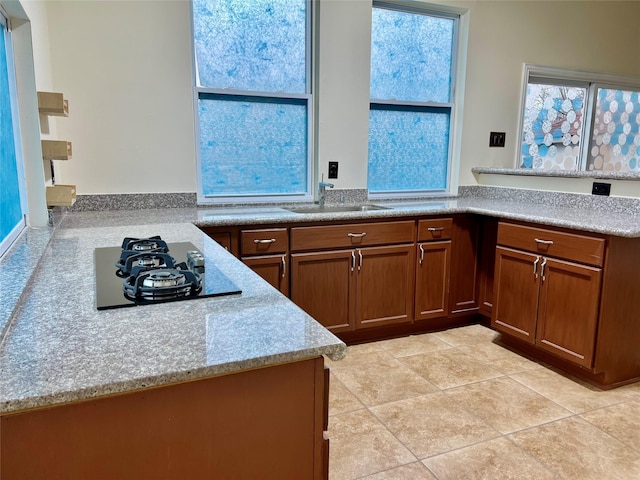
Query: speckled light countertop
{"x":58,"y":348}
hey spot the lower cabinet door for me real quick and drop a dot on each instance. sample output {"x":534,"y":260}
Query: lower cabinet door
{"x":273,"y":268}
{"x":515,"y":304}
{"x":323,"y":285}
{"x":568,"y":310}
{"x":432,"y":279}
{"x":385,"y":285}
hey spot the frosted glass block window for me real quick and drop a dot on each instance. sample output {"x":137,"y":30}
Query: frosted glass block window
{"x":553,"y":126}
{"x":252,"y":145}
{"x":397,"y":138}
{"x":615,"y":140}
{"x":575,"y":121}
{"x":411,"y":112}
{"x":253,"y":99}
{"x":251,"y":45}
{"x":411,"y":56}
{"x":11,"y":213}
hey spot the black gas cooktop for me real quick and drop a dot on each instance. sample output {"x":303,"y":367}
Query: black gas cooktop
{"x":143,"y":271}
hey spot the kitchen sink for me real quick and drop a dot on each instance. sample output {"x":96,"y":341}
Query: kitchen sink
{"x":337,"y":209}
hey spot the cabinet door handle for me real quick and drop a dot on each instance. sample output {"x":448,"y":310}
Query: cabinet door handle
{"x":356,"y":235}
{"x":421,"y":254}
{"x":543,"y":242}
{"x":353,"y":259}
{"x":544,"y":263}
{"x":535,"y":267}
{"x":435,"y":229}
{"x":284,"y":266}
{"x":264,"y":240}
{"x":360,"y":255}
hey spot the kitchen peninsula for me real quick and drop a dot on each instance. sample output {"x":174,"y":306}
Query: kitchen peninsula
{"x":64,"y":364}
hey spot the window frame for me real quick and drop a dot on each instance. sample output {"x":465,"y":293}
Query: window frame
{"x":307,"y":96}
{"x":453,"y":107}
{"x":592,"y":81}
{"x":5,"y":28}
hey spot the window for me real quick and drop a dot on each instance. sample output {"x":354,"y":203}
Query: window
{"x":579,"y":121}
{"x":253,"y":98}
{"x":11,"y":178}
{"x":413,"y":54}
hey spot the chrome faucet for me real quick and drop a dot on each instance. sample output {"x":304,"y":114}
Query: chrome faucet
{"x":322,"y":191}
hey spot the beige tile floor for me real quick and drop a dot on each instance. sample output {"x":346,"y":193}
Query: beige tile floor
{"x":455,"y":405}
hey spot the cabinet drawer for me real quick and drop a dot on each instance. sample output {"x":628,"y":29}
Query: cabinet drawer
{"x":259,"y":242}
{"x":434,"y":229}
{"x":569,"y":246}
{"x":352,"y":235}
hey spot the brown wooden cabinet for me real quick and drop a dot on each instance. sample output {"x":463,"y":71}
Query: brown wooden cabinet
{"x":548,"y":302}
{"x":433,"y":268}
{"x":266,"y":251}
{"x":370,"y":284}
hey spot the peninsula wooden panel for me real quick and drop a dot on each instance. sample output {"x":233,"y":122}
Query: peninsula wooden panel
{"x":264,"y":423}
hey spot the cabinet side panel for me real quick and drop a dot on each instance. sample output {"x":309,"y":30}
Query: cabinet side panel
{"x":618,"y":342}
{"x":256,"y":424}
{"x":463,"y":296}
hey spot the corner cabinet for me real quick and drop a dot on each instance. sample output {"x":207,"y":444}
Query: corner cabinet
{"x":547,"y":289}
{"x":354,"y":276}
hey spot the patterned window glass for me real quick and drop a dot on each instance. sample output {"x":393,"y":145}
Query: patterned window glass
{"x":253,"y":98}
{"x":252,"y":145}
{"x":412,"y":58}
{"x":615,"y":139}
{"x":397,"y":139}
{"x":251,"y":45}
{"x":10,"y":207}
{"x":552,"y":127}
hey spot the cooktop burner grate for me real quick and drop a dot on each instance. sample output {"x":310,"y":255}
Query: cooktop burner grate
{"x":145,"y":271}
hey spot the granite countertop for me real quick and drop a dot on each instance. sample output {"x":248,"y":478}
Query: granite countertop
{"x":58,"y":348}
{"x":620,"y":220}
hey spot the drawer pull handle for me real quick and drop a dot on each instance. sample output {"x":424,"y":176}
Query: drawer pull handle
{"x":284,"y":266}
{"x":360,"y":263}
{"x":535,"y":267}
{"x":544,"y":264}
{"x":435,"y":229}
{"x":353,"y":259}
{"x":265,"y":240}
{"x":356,"y":235}
{"x":421,"y":254}
{"x":544,"y":242}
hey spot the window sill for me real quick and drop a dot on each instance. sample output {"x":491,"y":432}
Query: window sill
{"x":524,"y":172}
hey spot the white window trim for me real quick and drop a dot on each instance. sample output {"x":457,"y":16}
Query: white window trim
{"x":5,"y":29}
{"x":590,"y":80}
{"x":458,"y":61}
{"x":308,"y":96}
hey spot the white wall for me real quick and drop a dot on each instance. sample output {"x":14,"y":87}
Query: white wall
{"x":126,"y":69}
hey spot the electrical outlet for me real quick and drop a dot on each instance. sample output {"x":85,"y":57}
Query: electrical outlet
{"x":333,"y":169}
{"x":601,"y":189}
{"x":496,"y":139}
